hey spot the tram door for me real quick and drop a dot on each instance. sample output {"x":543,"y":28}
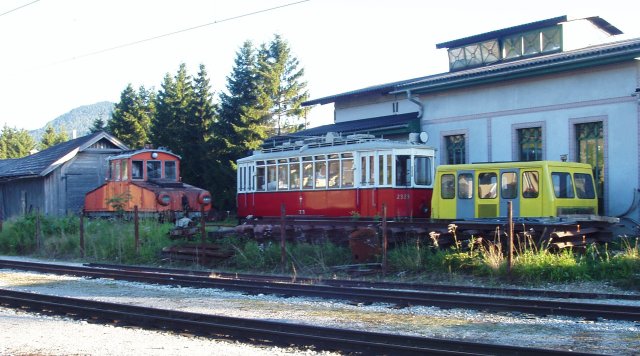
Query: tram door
{"x":509,"y":191}
{"x":487,"y":201}
{"x":466,"y":198}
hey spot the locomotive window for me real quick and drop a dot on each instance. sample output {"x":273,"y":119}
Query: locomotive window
{"x":465,"y":186}
{"x":260,"y":178}
{"x":154,"y":169}
{"x":283,"y":176}
{"x":116,"y":170}
{"x":530,"y":184}
{"x":584,"y":186}
{"x":124,"y":170}
{"x":294,"y":175}
{"x":334,"y":173}
{"x":562,"y":184}
{"x":307,"y":175}
{"x":403,"y":170}
{"x":487,"y":185}
{"x":509,"y":185}
{"x":321,"y":174}
{"x":136,"y":169}
{"x":423,"y":170}
{"x":447,"y":186}
{"x":347,"y":173}
{"x":170,"y":171}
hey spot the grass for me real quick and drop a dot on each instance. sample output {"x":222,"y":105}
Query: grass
{"x":113,"y":241}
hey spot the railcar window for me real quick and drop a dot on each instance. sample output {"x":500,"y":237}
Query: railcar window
{"x":307,"y":175}
{"x":423,"y":170}
{"x":487,"y":185}
{"x":334,"y":173}
{"x":347,"y":173}
{"x":447,"y":186}
{"x":260,"y":178}
{"x":584,"y":186}
{"x":154,"y":169}
{"x":136,"y":169}
{"x":283,"y":176}
{"x":321,"y":174}
{"x":403,"y":170}
{"x":124,"y":170}
{"x":272,"y":182}
{"x":509,"y":185}
{"x":530,"y":184}
{"x":294,"y":173}
{"x":116,"y":170}
{"x":465,"y":186}
{"x":170,"y":170}
{"x":562,"y":184}
{"x":385,"y":165}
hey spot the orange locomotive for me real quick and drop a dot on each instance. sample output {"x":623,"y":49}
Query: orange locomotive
{"x":150,"y":180}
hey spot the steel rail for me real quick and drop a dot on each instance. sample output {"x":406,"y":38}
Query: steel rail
{"x":433,"y":287}
{"x":543,"y":307}
{"x":258,"y":331}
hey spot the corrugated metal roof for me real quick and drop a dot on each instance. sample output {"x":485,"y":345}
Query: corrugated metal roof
{"x":40,"y":163}
{"x":590,"y":56}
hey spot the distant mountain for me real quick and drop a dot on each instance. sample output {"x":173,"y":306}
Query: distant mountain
{"x":80,"y":119}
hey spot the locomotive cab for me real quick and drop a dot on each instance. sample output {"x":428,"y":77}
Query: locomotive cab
{"x":148,"y":179}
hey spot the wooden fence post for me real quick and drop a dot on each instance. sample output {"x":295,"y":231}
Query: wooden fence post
{"x":136,"y":228}
{"x":510,"y":253}
{"x":384,"y":239}
{"x":282,"y":237}
{"x":82,"y":233}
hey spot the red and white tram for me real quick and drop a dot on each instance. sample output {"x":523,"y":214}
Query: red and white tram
{"x":334,"y":176}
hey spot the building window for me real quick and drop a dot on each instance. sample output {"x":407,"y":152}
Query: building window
{"x":530,"y":144}
{"x":590,"y":149}
{"x":455,"y":148}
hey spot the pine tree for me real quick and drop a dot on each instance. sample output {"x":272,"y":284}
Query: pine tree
{"x":15,"y":143}
{"x":131,"y":118}
{"x":281,"y":81}
{"x":51,"y":137}
{"x":97,"y":126}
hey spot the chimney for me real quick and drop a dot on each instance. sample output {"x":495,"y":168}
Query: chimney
{"x":74,"y":134}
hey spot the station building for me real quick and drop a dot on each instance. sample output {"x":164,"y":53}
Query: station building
{"x":556,"y":89}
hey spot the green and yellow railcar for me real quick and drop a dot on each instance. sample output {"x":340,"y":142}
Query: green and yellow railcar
{"x":536,"y":189}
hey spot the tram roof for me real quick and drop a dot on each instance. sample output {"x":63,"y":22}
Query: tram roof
{"x":320,"y":146}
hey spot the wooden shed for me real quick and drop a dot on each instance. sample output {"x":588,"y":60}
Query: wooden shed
{"x":54,"y":181}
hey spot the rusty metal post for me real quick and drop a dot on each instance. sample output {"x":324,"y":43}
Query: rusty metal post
{"x":510,"y":253}
{"x":282,"y":237}
{"x":203,"y":233}
{"x":384,"y":238}
{"x":82,"y":234}
{"x":136,"y":228}
{"x":1,"y":218}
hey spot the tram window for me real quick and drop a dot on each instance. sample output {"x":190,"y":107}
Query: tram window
{"x":403,"y":170}
{"x":272,"y":183}
{"x":170,"y":171}
{"x":307,"y":175}
{"x":124,"y":170}
{"x":562,"y":184}
{"x":240,"y":179}
{"x":154,"y":169}
{"x":447,"y":186}
{"x":465,"y":186}
{"x":321,"y":174}
{"x":509,"y":185}
{"x":334,"y":173}
{"x":294,"y":175}
{"x":423,"y":170}
{"x":260,"y":177}
{"x":136,"y":170}
{"x":530,"y":184}
{"x":584,"y":186}
{"x":347,"y":173}
{"x":283,"y":176}
{"x":487,"y":185}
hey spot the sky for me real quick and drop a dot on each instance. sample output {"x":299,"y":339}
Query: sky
{"x":56,"y":55}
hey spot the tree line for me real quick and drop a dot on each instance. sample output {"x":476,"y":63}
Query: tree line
{"x":210,"y":130}
{"x":16,"y":143}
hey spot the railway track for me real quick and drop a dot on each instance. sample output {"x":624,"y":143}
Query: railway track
{"x":400,"y":297}
{"x":257,"y":331}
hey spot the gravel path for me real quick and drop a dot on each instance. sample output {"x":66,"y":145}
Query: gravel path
{"x":74,"y":337}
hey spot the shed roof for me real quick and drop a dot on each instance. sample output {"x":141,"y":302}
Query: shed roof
{"x":42,"y":163}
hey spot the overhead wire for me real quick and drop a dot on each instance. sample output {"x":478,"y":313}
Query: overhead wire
{"x":19,"y":7}
{"x":179,"y":31}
